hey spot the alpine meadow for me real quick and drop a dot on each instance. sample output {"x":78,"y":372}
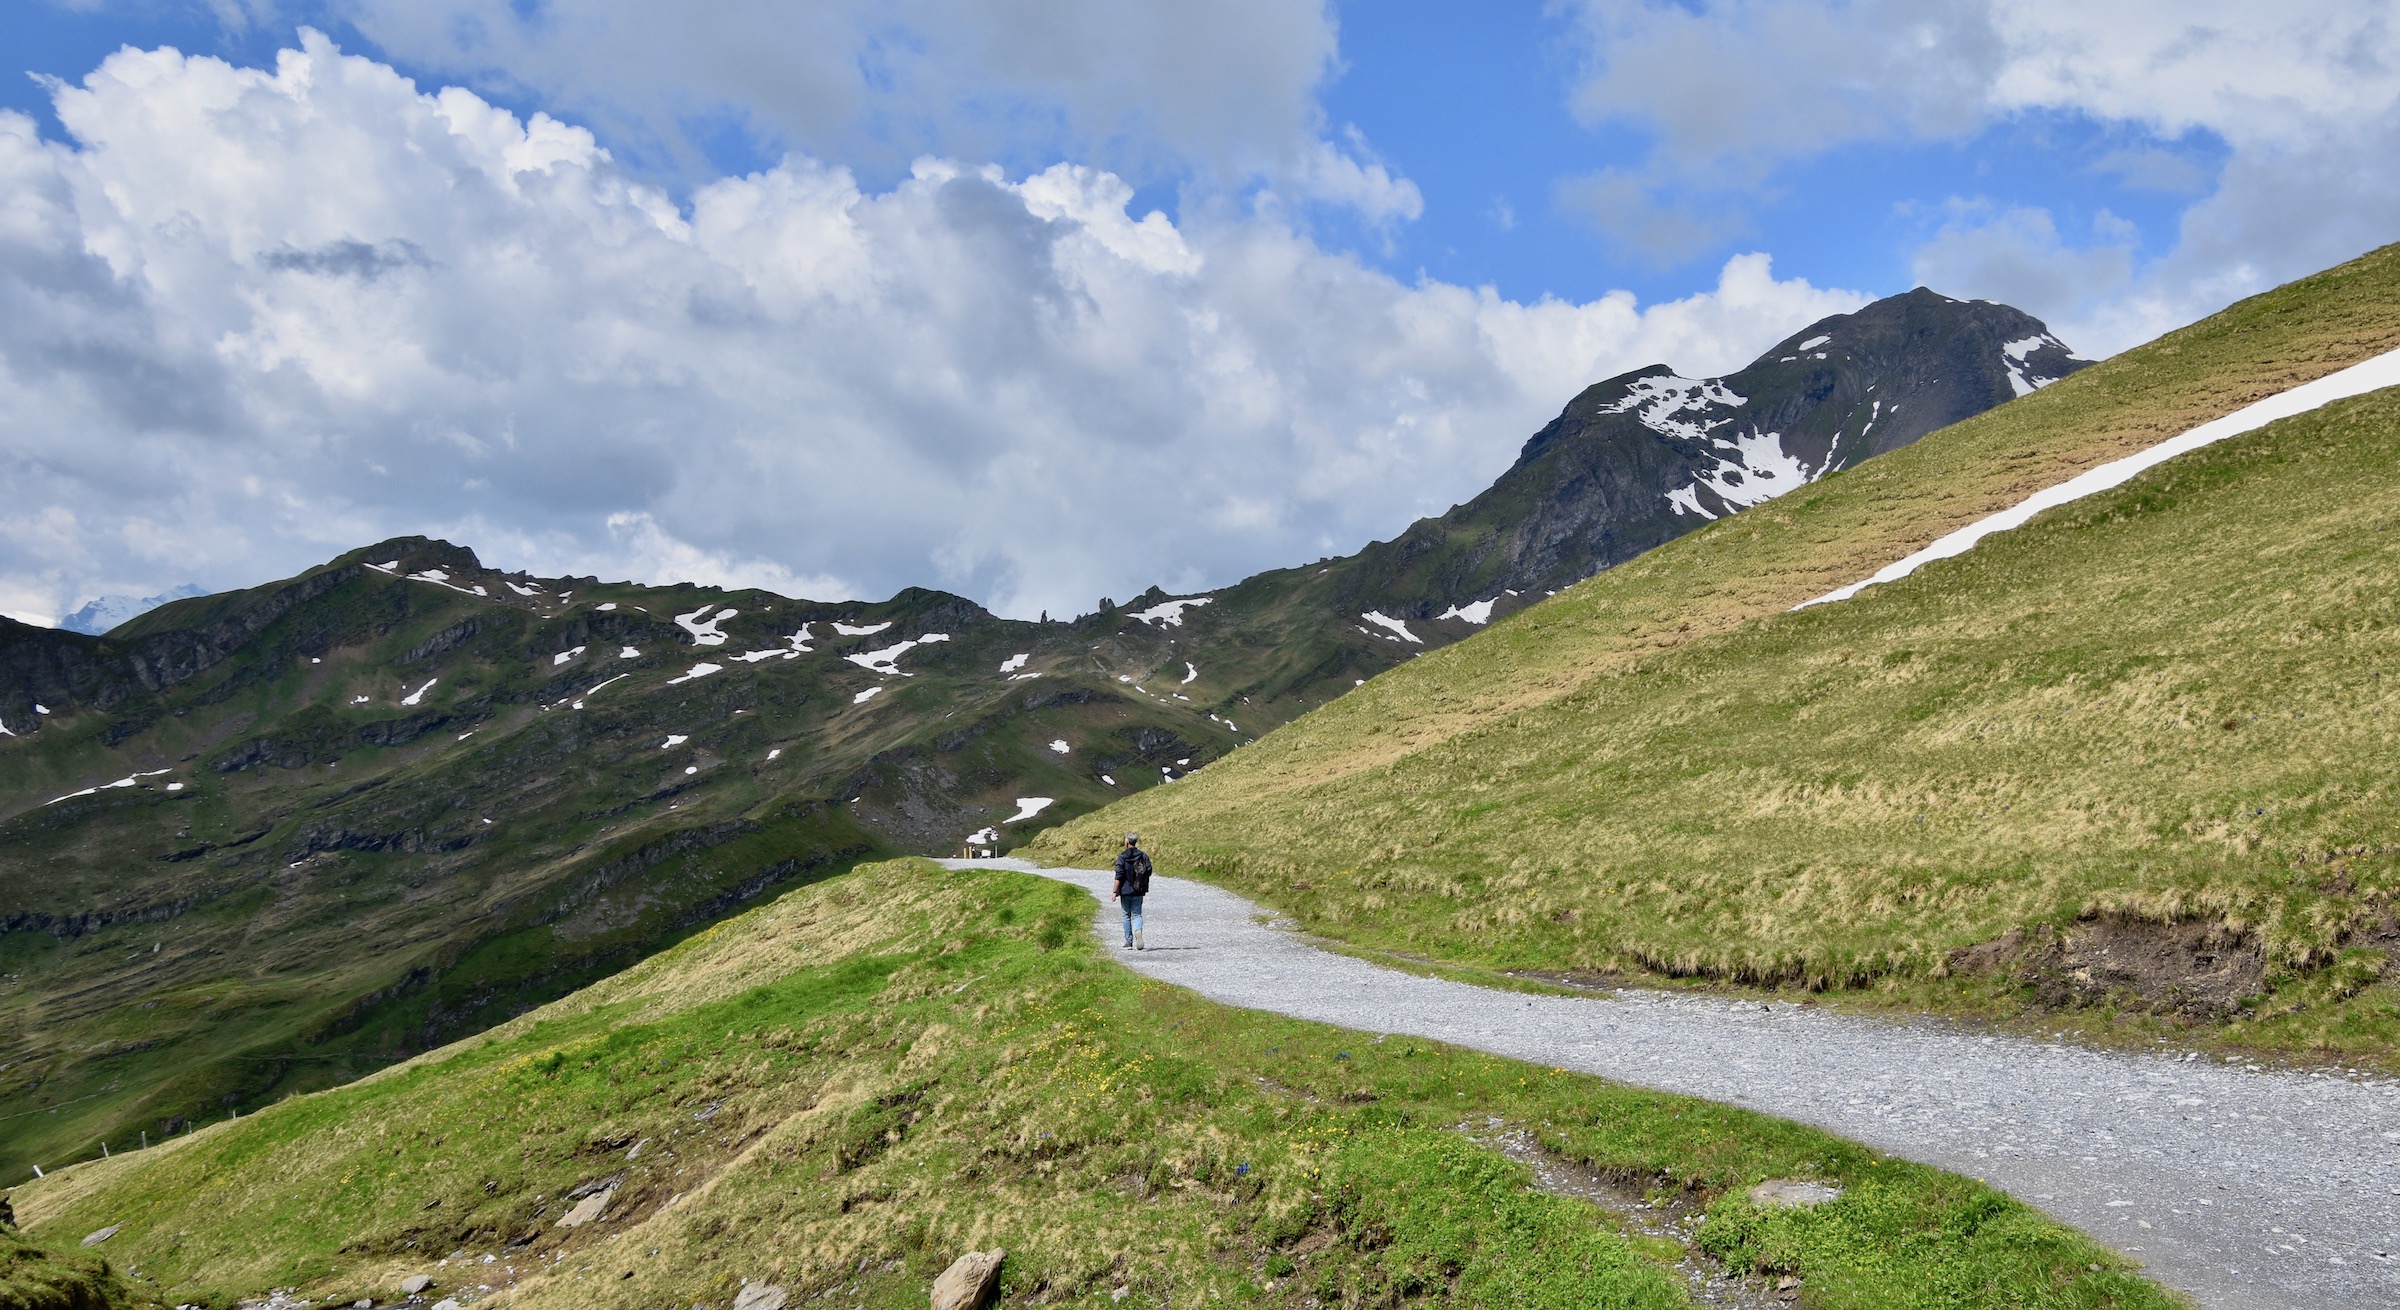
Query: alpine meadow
{"x":2132,"y":757}
{"x":1760,"y":665}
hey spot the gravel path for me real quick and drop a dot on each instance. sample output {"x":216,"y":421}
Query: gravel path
{"x":2242,"y":1188}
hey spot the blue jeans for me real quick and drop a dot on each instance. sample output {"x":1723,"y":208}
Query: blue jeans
{"x":1133,"y":916}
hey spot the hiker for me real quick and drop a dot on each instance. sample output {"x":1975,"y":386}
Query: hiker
{"x":1133,"y":883}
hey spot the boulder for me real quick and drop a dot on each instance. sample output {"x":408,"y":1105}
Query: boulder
{"x":1792,"y":1194}
{"x":759,"y":1296}
{"x":969,"y":1282}
{"x":103,"y":1235}
{"x":415,"y":1283}
{"x":588,"y":1209}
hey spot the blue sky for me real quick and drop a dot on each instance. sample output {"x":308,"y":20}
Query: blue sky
{"x":1468,"y":101}
{"x":840,"y":296}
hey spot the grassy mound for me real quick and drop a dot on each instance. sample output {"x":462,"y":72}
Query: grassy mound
{"x":842,"y":1091}
{"x":36,"y":1277}
{"x":2130,"y":756}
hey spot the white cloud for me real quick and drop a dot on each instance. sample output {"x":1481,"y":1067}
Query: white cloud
{"x":250,"y":319}
{"x":2299,"y":94}
{"x":1148,"y":88}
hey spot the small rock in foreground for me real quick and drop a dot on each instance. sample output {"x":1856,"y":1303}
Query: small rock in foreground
{"x":415,"y":1283}
{"x":969,"y":1282}
{"x":1792,"y":1194}
{"x":103,"y":1235}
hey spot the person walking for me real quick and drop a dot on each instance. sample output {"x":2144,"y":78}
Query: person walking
{"x":1133,"y":883}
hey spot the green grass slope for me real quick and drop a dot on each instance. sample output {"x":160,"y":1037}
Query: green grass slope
{"x":38,"y":1277}
{"x":2134,"y":755}
{"x":840,"y":1092}
{"x":369,"y":814}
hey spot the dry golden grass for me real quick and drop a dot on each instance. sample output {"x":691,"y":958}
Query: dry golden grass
{"x":1663,"y":769}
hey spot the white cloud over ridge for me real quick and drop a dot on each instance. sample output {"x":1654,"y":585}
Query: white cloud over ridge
{"x":2301,"y":95}
{"x":250,"y":318}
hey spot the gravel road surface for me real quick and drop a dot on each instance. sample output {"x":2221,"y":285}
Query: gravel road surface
{"x":2241,"y":1187}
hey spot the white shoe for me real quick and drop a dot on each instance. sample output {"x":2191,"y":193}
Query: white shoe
{"x":1137,"y":941}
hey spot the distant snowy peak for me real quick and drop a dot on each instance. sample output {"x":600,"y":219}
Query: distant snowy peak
{"x":106,"y":612}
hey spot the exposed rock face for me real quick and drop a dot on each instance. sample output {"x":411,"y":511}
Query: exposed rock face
{"x":2197,"y":968}
{"x":969,"y":1282}
{"x":415,"y":1283}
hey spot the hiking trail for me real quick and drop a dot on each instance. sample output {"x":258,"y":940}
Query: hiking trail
{"x":2238,"y":1186}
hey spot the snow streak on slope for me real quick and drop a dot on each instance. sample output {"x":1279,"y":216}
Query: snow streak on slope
{"x":2357,"y":380}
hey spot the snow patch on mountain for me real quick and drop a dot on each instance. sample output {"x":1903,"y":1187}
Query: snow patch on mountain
{"x":1169,"y":614}
{"x":2024,"y":377}
{"x":886,"y":661}
{"x":1657,"y":400}
{"x":1686,"y":500}
{"x":1390,"y":624}
{"x":1754,"y":468}
{"x":869,"y":630}
{"x":1014,"y":663}
{"x":698,"y":671}
{"x":127,"y":781}
{"x":419,"y":694}
{"x":1478,"y":613}
{"x":1029,"y":806}
{"x":704,"y":630}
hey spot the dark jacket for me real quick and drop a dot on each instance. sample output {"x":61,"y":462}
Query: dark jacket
{"x":1133,"y":872}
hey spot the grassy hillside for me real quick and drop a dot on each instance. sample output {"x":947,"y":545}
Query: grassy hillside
{"x":2135,"y":755}
{"x":840,"y":1092}
{"x":367,"y":813}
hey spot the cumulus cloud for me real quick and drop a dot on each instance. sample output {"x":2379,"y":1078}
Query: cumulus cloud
{"x":252,"y":318}
{"x":2299,"y":95}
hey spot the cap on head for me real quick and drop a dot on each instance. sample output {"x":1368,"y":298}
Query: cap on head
{"x":1132,"y":838}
